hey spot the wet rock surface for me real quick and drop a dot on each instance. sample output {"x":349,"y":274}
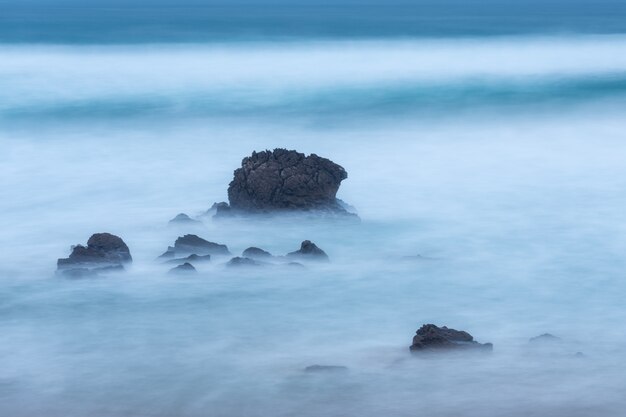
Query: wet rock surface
{"x":285,"y":180}
{"x":431,"y":338}
{"x":310,"y":251}
{"x":104,"y":252}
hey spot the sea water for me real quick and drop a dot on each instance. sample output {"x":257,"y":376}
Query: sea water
{"x":488,"y":140}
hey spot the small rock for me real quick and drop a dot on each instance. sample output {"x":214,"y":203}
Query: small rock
{"x":185,"y":268}
{"x":183,"y":219}
{"x":190,"y":259}
{"x":325,"y":368}
{"x":239,"y":262}
{"x":197,"y":245}
{"x":545,"y":338}
{"x":104,"y":253}
{"x":256,"y":253}
{"x":169,"y":253}
{"x":431,"y":338}
{"x":309,"y":250}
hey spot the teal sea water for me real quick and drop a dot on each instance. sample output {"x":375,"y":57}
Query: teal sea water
{"x":487,"y":137}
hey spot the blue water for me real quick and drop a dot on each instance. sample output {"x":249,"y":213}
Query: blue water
{"x":487,"y":137}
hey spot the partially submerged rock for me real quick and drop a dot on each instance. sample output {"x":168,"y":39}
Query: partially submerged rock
{"x":285,"y":180}
{"x":256,"y":253}
{"x":192,"y":244}
{"x":325,"y":368}
{"x":545,"y":338}
{"x":185,"y":268}
{"x":309,"y":250}
{"x":191,"y":259}
{"x":242,"y":262}
{"x":431,"y":338}
{"x":183,"y":219}
{"x":104,"y":253}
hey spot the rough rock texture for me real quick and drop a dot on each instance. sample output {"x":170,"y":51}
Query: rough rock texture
{"x":309,"y":250}
{"x":278,"y":180}
{"x":197,"y":245}
{"x":256,"y":253}
{"x":432,"y":338}
{"x":184,"y":220}
{"x":104,"y":252}
{"x":185,"y":268}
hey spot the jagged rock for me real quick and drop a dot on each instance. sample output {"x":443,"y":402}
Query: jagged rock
{"x":169,"y":253}
{"x":430,"y":338}
{"x":104,"y":253}
{"x":239,"y":261}
{"x":309,"y":250}
{"x":256,"y":253}
{"x":283,"y":180}
{"x":183,"y":219}
{"x":199,"y":246}
{"x":190,"y":259}
{"x":185,"y":268}
{"x":325,"y":368}
{"x":217,"y":208}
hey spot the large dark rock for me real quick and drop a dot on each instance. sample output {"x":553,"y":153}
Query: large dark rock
{"x":283,"y":180}
{"x":430,"y":338}
{"x":309,"y":250}
{"x":196,"y":245}
{"x":104,"y":252}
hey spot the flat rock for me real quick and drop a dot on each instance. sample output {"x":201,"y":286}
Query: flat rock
{"x":545,"y":338}
{"x":286,"y":180}
{"x":309,"y":250}
{"x":431,"y":338}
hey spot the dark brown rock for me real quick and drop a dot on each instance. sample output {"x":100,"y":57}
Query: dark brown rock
{"x":284,"y":180}
{"x":431,"y":338}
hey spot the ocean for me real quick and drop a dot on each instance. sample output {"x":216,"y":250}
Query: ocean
{"x":486,"y":137}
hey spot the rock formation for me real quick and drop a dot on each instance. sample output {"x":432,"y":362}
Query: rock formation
{"x":256,"y":253}
{"x":283,"y":180}
{"x":192,"y":244}
{"x":309,"y":250}
{"x":104,"y":252}
{"x":185,"y":268}
{"x":430,"y":338}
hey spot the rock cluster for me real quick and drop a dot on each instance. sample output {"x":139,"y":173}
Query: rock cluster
{"x":104,"y":252}
{"x":284,"y":180}
{"x":431,"y":338}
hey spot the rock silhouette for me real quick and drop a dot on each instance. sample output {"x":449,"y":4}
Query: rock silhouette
{"x":431,"y":338}
{"x":193,"y":244}
{"x":104,"y":252}
{"x":309,"y":250}
{"x":285,"y":180}
{"x":185,"y":268}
